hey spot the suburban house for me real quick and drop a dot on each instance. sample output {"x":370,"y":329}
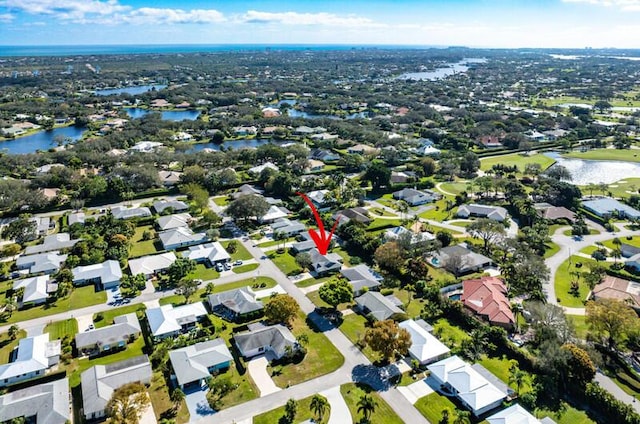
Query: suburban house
{"x":52,"y":243}
{"x":323,"y":265}
{"x":106,"y":275}
{"x":169,"y":222}
{"x":416,"y":197}
{"x":314,"y":165}
{"x":257,"y":170}
{"x":125,"y":329}
{"x":274,"y":212}
{"x":377,"y":306}
{"x":516,"y":414}
{"x":193,"y":365}
{"x":287,"y":227}
{"x":306,"y":243}
{"x":554,"y":213}
{"x":175,"y":205}
{"x":100,"y":381}
{"x":427,"y":148}
{"x":362,"y":278}
{"x":490,"y":142}
{"x":607,"y":207}
{"x":169,"y":321}
{"x":46,"y":403}
{"x":362,"y":149}
{"x":274,"y":340}
{"x":497,"y":213}
{"x":176,"y":238}
{"x":76,"y":218}
{"x":246,"y":189}
{"x":319,"y":199}
{"x":209,"y":253}
{"x":473,"y":390}
{"x":43,"y":224}
{"x":35,"y":354}
{"x":121,"y":212}
{"x":425,"y":347}
{"x":407,"y":235}
{"x":152,"y":264}
{"x":487,"y":297}
{"x":459,"y":260}
{"x":618,"y":289}
{"x":358,"y":214}
{"x":234,"y":305}
{"x":169,"y":178}
{"x":47,"y":263}
{"x":36,"y":289}
{"x":323,"y":155}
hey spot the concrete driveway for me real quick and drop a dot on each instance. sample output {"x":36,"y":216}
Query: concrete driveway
{"x":257,"y":368}
{"x":196,"y":400}
{"x":84,"y":321}
{"x":112,"y":294}
{"x":339,"y":410}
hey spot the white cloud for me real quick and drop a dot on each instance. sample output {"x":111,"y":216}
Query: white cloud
{"x":295,"y":18}
{"x":626,"y":5}
{"x":152,"y":15}
{"x":6,"y":17}
{"x":68,"y":9}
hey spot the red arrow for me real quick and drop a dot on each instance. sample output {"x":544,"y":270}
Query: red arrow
{"x":321,"y":240}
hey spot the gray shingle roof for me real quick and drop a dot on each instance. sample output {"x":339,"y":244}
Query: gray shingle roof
{"x":177,"y":205}
{"x":378,"y":306}
{"x":49,"y":402}
{"x":277,"y":337}
{"x":191,"y":363}
{"x":52,"y":242}
{"x":174,"y":221}
{"x":107,"y":272}
{"x":125,"y":326}
{"x":241,"y":301}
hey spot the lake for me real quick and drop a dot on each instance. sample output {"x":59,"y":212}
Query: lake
{"x":237,"y":144}
{"x":43,"y":140}
{"x":167,"y":115}
{"x":440,"y":73}
{"x":586,"y":172}
{"x":133,"y":90}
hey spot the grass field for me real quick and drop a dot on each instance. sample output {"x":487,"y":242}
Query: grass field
{"x":109,"y":315}
{"x":383,"y":413}
{"x":580,"y":325}
{"x":635,"y":241}
{"x":285,"y":261}
{"x":7,"y":345}
{"x":161,"y":401}
{"x":551,"y":250}
{"x":500,"y":368}
{"x":303,"y":414}
{"x":141,"y":247}
{"x":623,"y":155}
{"x":622,"y":188}
{"x":241,"y":252}
{"x":567,"y":415}
{"x":431,"y":406}
{"x":452,"y":187}
{"x":221,"y":201}
{"x":449,"y":334}
{"x":59,"y":329}
{"x":563,"y":281}
{"x":517,"y":159}
{"x":204,"y":273}
{"x":245,"y":268}
{"x":354,"y":326}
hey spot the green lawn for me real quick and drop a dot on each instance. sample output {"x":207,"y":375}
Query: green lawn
{"x":161,"y":401}
{"x":567,"y":415}
{"x":245,"y":268}
{"x":564,"y":278}
{"x":439,"y":211}
{"x":382,"y":212}
{"x":453,"y":187}
{"x":303,"y":413}
{"x":308,"y":282}
{"x":109,"y":315}
{"x":623,"y":155}
{"x":622,"y":188}
{"x":432,"y":405}
{"x":177,"y":299}
{"x":245,"y":390}
{"x":80,"y":297}
{"x":449,"y":334}
{"x":592,"y":232}
{"x":413,"y":308}
{"x":141,"y":247}
{"x":241,"y":252}
{"x":7,"y":345}
{"x":204,"y":273}
{"x":346,"y":259}
{"x":383,"y":413}
{"x":322,"y":357}
{"x":354,"y":326}
{"x":59,"y":329}
{"x":221,"y":201}
{"x":500,"y":368}
{"x":381,"y":224}
{"x":517,"y":159}
{"x":314,"y":297}
{"x":286,"y":262}
{"x":580,"y":325}
{"x":589,"y":250}
{"x":635,"y":241}
{"x":551,"y":249}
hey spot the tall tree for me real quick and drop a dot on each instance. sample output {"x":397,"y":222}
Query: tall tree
{"x":248,"y":206}
{"x":319,"y":406}
{"x":378,"y":174}
{"x":367,"y":406}
{"x":611,"y":320}
{"x":486,"y":229}
{"x":282,"y":308}
{"x":388,"y":339}
{"x":127,"y":403}
{"x":336,"y":291}
{"x":186,"y":287}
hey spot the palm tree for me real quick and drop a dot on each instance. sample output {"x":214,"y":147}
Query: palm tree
{"x":617,"y":254}
{"x":13,"y":331}
{"x":319,"y":405}
{"x":603,"y":188}
{"x":446,"y":414}
{"x":367,"y":405}
{"x":591,"y":187}
{"x":517,"y":377}
{"x":462,"y":417}
{"x":176,"y":397}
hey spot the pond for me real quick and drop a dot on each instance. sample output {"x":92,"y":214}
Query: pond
{"x":439,"y":73}
{"x":237,"y":144}
{"x":133,"y":90}
{"x":584,"y":172}
{"x":43,"y":140}
{"x":167,"y":115}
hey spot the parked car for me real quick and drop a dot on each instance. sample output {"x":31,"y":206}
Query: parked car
{"x":227,"y":266}
{"x":219,"y":267}
{"x":238,"y":262}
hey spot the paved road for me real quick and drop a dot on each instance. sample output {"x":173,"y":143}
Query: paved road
{"x":608,"y":384}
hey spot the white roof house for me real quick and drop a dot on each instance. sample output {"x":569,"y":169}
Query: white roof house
{"x":180,"y":237}
{"x":497,"y":213}
{"x":47,"y":403}
{"x":212,"y":252}
{"x":514,"y":414}
{"x":121,"y":212}
{"x":258,"y":169}
{"x":168,"y":320}
{"x":48,"y":263}
{"x":177,"y":205}
{"x":151,"y":264}
{"x":274,"y":213}
{"x":197,"y":362}
{"x":425,"y":348}
{"x":35,"y":355}
{"x":52,"y":242}
{"x":174,"y":221}
{"x":145,"y":146}
{"x":35,"y":289}
{"x":471,"y":388}
{"x":107,"y":273}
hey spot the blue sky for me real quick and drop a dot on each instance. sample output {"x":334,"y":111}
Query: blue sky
{"x":474,"y":23}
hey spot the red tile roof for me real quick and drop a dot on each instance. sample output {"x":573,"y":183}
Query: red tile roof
{"x":488,"y":296}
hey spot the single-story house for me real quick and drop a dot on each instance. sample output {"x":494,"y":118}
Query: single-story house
{"x":315,"y":165}
{"x":51,"y":243}
{"x":318,"y":198}
{"x":274,"y":212}
{"x":376,"y":305}
{"x":416,"y":197}
{"x":303,"y":246}
{"x":554,"y":213}
{"x":245,"y":189}
{"x":47,"y":263}
{"x":327,"y":264}
{"x":411,"y":237}
{"x":487,"y":297}
{"x":146,"y":147}
{"x":43,"y":224}
{"x":209,"y":253}
{"x":125,"y":329}
{"x":473,"y":390}
{"x":618,"y":289}
{"x":275,"y":340}
{"x":425,"y":347}
{"x":169,"y":178}
{"x":362,"y":278}
{"x":176,"y":206}
{"x":46,"y":403}
{"x":606,"y":207}
{"x":428,"y":150}
{"x":459,"y":260}
{"x":35,"y":289}
{"x":235,"y":304}
{"x":497,"y":213}
{"x":35,"y":354}
{"x":152,"y":264}
{"x":257,"y":170}
{"x":100,"y":381}
{"x":357,"y":214}
{"x":76,"y":218}
{"x":106,"y":274}
{"x":169,"y":321}
{"x":176,"y":238}
{"x":628,"y":250}
{"x":121,"y":212}
{"x":490,"y":141}
{"x":323,"y":155}
{"x":196,"y":363}
{"x":515,"y":414}
{"x":362,"y":149}
{"x":169,"y":222}
{"x":287,"y":227}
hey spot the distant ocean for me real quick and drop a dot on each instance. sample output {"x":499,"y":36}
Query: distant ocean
{"x":176,"y":48}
